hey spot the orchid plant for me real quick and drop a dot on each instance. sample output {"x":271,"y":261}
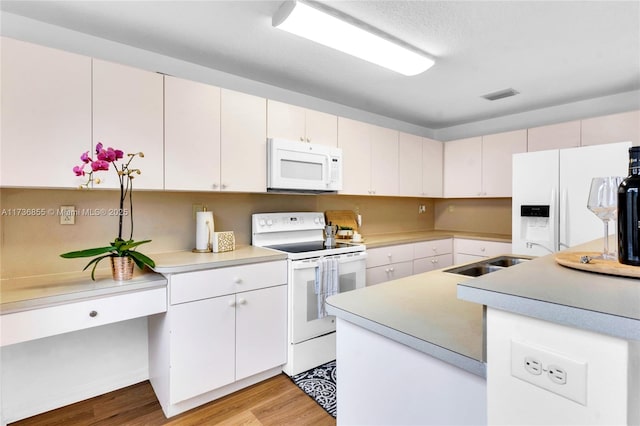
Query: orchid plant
{"x":105,"y":158}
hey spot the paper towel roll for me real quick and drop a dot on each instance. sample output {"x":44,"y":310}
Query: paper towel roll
{"x":204,"y":230}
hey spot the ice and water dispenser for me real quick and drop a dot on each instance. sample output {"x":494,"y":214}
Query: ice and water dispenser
{"x":535,"y":224}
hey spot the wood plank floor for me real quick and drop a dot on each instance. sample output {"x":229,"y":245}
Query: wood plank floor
{"x":276,"y":401}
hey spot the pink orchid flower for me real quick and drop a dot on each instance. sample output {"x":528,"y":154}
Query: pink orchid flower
{"x":79,"y":170}
{"x":98,"y":147}
{"x":99,"y":165}
{"x":85,"y":157}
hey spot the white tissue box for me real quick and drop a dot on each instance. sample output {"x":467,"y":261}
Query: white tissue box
{"x":223,"y":241}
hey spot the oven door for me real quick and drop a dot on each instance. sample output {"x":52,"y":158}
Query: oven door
{"x":305,"y":323}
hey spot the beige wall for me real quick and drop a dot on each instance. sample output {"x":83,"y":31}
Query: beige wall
{"x":31,"y":245}
{"x":491,"y":215}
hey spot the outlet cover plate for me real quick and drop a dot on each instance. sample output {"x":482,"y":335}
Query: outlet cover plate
{"x":575,"y":386}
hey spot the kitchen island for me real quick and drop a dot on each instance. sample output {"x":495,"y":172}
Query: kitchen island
{"x":410,"y":352}
{"x":407,"y":349}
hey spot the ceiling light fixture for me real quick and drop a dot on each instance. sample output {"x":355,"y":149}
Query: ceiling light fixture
{"x":313,"y":24}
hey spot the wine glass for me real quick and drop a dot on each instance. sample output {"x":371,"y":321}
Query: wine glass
{"x":603,"y":202}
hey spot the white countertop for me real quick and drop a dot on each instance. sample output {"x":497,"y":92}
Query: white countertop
{"x":541,"y":288}
{"x":33,"y":292}
{"x":423,"y":312}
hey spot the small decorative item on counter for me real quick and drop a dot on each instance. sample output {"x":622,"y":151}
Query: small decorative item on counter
{"x":345,"y":232}
{"x":224,"y":241}
{"x":122,"y":252}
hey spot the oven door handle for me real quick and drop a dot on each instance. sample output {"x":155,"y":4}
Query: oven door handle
{"x":312,"y":263}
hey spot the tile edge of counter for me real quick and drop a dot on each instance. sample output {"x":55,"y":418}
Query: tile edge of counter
{"x":463,"y":362}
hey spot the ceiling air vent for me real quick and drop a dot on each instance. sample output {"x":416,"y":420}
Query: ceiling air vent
{"x":500,"y":94}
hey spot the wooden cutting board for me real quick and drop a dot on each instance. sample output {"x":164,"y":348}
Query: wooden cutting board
{"x":341,"y":218}
{"x":601,"y":266}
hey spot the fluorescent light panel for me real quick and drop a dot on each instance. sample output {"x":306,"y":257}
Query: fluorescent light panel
{"x":305,"y":21}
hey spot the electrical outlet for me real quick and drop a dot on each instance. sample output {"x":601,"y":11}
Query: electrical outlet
{"x":422,"y":208}
{"x":67,"y":215}
{"x":550,"y":370}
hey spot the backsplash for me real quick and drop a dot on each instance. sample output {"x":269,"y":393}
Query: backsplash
{"x":31,"y":245}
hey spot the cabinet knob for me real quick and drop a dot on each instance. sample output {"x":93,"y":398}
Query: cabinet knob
{"x":223,"y":186}
{"x":242,"y":301}
{"x":237,"y":280}
{"x":434,"y":249}
{"x":301,"y":139}
{"x":231,"y":303}
{"x":434,"y":261}
{"x":215,"y":186}
{"x":482,"y":249}
{"x":308,"y":140}
{"x":93,"y":314}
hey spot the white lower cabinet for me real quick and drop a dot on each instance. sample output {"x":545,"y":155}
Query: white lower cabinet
{"x":226,"y":336}
{"x":432,"y":255}
{"x":398,"y":261}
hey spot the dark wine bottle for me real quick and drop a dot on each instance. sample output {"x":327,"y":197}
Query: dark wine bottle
{"x":628,"y":206}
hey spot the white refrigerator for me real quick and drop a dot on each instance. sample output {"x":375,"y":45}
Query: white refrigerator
{"x":550,"y":192}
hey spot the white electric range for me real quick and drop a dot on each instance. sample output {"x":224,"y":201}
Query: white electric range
{"x":311,"y":336}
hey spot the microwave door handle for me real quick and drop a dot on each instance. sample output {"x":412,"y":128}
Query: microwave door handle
{"x":327,"y":179}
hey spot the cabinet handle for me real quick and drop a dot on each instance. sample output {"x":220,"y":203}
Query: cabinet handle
{"x":237,"y":280}
{"x":231,"y":303}
{"x":242,"y":301}
{"x":301,"y":139}
{"x":93,"y":314}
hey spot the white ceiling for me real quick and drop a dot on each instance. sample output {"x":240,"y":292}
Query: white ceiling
{"x":552,"y":52}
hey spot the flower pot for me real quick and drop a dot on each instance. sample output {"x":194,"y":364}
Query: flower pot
{"x":122,"y":268}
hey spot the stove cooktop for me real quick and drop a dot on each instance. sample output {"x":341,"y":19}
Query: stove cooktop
{"x":308,"y":246}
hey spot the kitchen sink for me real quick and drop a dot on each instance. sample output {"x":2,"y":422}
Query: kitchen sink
{"x":486,"y":266}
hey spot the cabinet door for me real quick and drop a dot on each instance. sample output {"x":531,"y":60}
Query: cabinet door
{"x":427,"y":264}
{"x":385,"y":273}
{"x":624,"y":127}
{"x":463,"y":168}
{"x":285,"y":121}
{"x":261,"y":330}
{"x":128,"y":115}
{"x":410,"y":164}
{"x":384,"y":161}
{"x":497,"y":153}
{"x":432,"y":164}
{"x":555,"y":136}
{"x":202,"y":349}
{"x":353,"y":138}
{"x":46,"y":114}
{"x":321,"y":128}
{"x":192,"y":135}
{"x":243,"y":142}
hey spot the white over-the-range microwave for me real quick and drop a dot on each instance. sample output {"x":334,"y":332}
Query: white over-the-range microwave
{"x":303,"y":167}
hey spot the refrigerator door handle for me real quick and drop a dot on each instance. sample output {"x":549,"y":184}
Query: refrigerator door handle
{"x":564,"y":219}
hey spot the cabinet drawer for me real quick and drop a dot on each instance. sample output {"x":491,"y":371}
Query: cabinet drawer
{"x":388,"y":255}
{"x":426,"y":264}
{"x":384,"y":273}
{"x":481,"y":248}
{"x":432,"y":248}
{"x":37,"y":323}
{"x":217,"y":282}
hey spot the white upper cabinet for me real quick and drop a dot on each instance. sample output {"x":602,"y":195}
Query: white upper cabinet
{"x":370,"y":158}
{"x":554,"y":136}
{"x":432,"y":167}
{"x":192,"y":135}
{"x":384,"y":161}
{"x":419,"y":166}
{"x":497,"y":154}
{"x":613,"y":128}
{"x":481,"y":166}
{"x":301,"y":124}
{"x":463,"y":168}
{"x":128,"y":115}
{"x":243,"y":142}
{"x":46,"y":115}
{"x":410,"y":165}
{"x":353,"y":138}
